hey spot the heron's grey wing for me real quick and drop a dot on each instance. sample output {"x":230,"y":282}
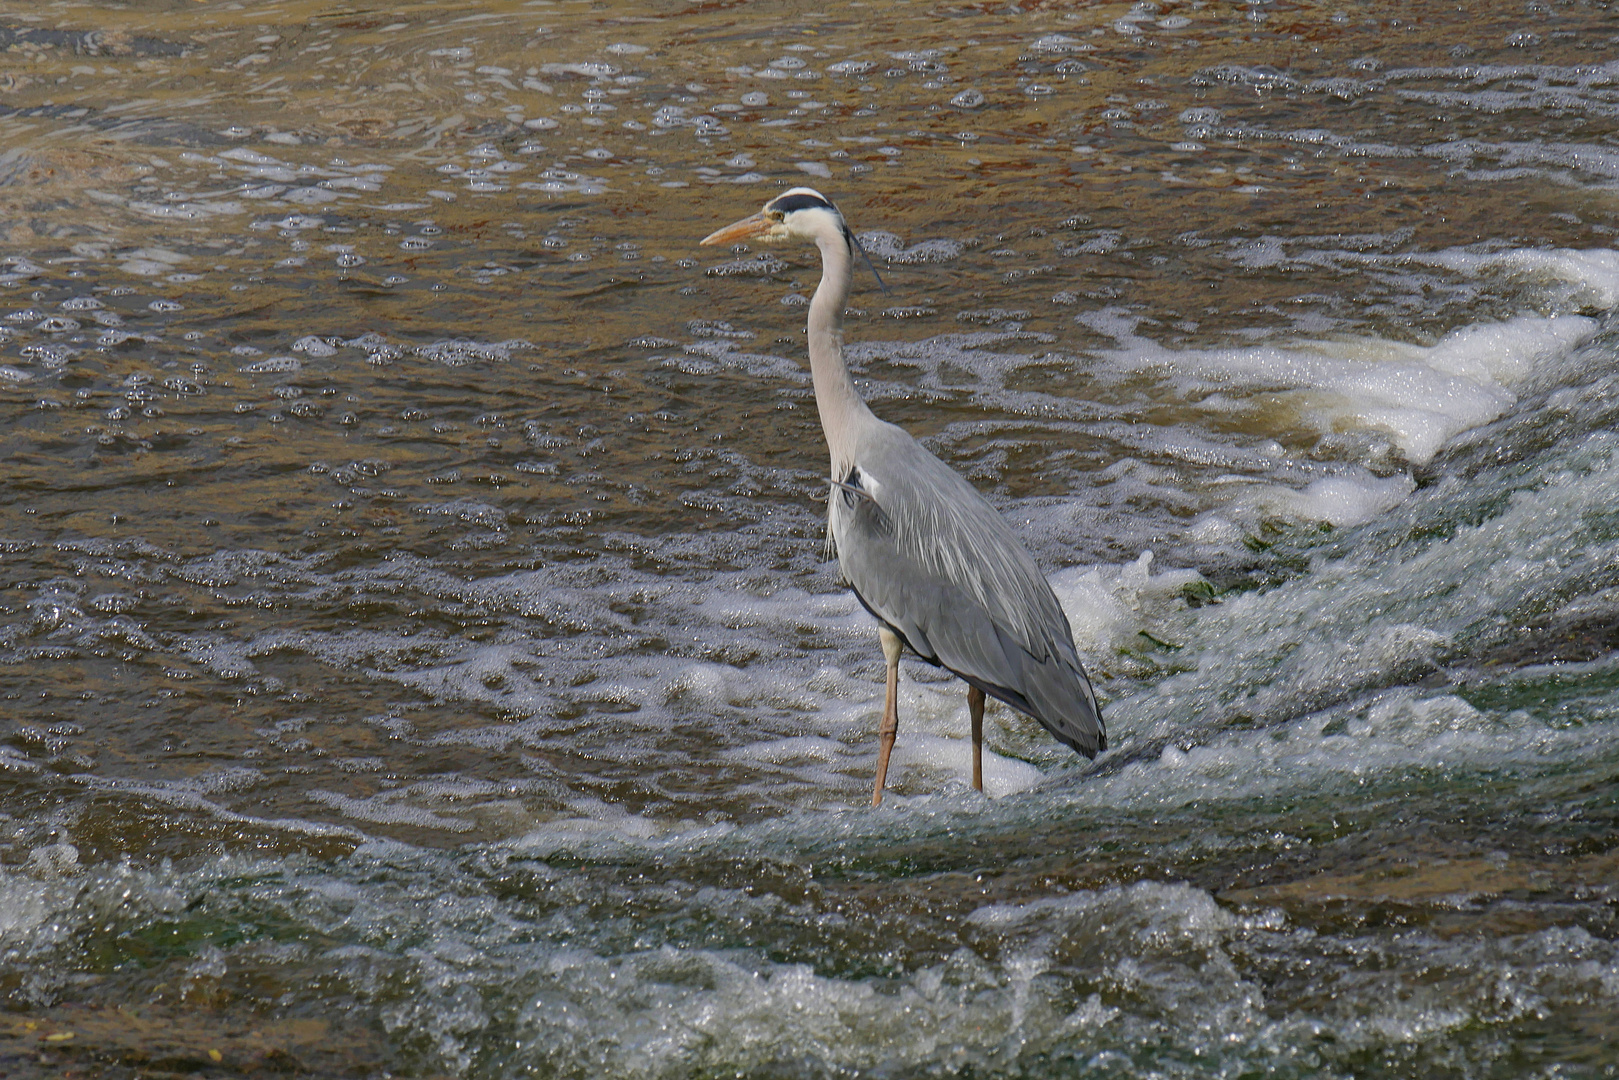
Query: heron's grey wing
{"x":929,"y":556}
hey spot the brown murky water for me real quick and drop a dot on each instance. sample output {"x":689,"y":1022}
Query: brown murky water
{"x":416,"y":647}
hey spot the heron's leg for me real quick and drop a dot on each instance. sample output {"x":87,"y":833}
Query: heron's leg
{"x":975,"y":706}
{"x":885,"y":734}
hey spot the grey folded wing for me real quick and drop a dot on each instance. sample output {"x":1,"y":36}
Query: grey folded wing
{"x":929,"y":556}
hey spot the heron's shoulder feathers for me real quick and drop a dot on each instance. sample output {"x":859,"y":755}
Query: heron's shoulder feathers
{"x":900,"y":511}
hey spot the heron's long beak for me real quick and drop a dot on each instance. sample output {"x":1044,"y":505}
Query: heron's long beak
{"x":748,"y":228}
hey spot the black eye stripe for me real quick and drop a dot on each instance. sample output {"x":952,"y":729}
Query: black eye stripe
{"x":788,"y":203}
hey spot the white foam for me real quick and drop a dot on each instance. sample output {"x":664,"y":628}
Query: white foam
{"x":1108,"y":606}
{"x":1351,"y":499}
{"x":27,"y":907}
{"x":389,"y":808}
{"x":1419,"y":396}
{"x":796,"y":722}
{"x":885,"y":245}
{"x":14,"y":761}
{"x":1318,"y":662}
{"x":944,"y":759}
{"x":53,"y":861}
{"x":1593,"y":274}
{"x":797,"y":749}
{"x":1184,"y":910}
{"x":616,"y":971}
{"x":1562,"y":162}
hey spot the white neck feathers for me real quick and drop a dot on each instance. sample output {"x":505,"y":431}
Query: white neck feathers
{"x":843,"y":413}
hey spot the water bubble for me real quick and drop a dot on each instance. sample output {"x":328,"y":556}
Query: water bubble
{"x":669,"y":116}
{"x":755,"y":99}
{"x":311,"y":345}
{"x":1058,"y":43}
{"x":272,"y":365}
{"x":52,"y":356}
{"x":294,"y":222}
{"x":587,"y":70}
{"x":968,"y":99}
{"x":165,"y":306}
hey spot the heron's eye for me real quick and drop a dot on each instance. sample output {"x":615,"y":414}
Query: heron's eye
{"x":775,"y":215}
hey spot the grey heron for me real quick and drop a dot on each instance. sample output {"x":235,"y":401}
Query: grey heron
{"x":925,"y":552}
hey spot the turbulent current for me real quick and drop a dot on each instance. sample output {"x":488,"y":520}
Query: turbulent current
{"x":418,"y":650}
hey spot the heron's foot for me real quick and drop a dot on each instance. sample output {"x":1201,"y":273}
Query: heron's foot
{"x":885,"y":746}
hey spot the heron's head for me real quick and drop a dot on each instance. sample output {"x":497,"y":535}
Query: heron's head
{"x":799,"y":214}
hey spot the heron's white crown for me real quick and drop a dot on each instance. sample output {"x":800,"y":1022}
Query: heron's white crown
{"x":801,"y":213}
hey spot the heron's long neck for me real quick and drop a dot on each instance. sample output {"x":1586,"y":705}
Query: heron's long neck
{"x":842,"y":411}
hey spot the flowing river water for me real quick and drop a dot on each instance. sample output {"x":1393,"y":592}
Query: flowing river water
{"x":417,"y":647}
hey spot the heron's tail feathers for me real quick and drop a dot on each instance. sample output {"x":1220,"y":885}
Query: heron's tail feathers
{"x":1055,"y":691}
